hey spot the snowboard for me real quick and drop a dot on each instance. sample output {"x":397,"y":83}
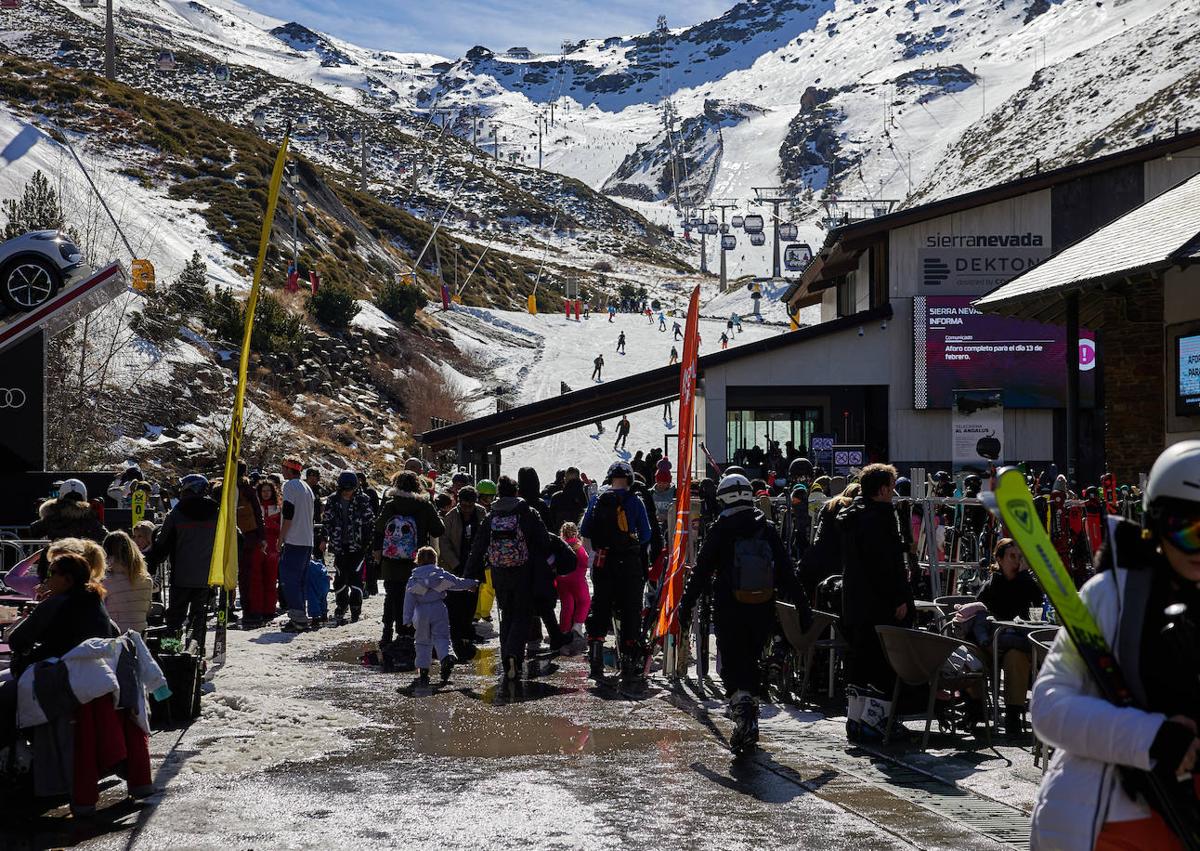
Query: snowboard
{"x":1174,"y":801}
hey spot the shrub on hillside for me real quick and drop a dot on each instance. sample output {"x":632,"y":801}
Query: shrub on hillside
{"x":333,"y":306}
{"x":400,"y":301}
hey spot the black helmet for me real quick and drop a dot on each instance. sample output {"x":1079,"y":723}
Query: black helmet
{"x":800,"y":468}
{"x":620,"y":469}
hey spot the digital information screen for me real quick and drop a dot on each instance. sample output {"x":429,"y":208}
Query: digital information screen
{"x":955,"y":347}
{"x":1187,"y":398}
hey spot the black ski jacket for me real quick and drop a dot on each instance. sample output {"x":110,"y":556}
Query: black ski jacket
{"x":874,"y":569}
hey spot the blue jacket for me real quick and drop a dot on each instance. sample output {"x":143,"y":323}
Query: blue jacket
{"x":635,"y":514}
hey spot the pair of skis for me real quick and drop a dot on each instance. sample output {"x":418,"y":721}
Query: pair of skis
{"x":1174,"y":801}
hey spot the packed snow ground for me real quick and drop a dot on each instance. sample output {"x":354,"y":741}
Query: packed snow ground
{"x":531,"y":355}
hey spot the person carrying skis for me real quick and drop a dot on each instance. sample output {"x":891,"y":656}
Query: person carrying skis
{"x":621,"y":343}
{"x":674,"y":356}
{"x":349,"y":522}
{"x":617,"y":529}
{"x":622,"y":433}
{"x":407,"y":521}
{"x":597,"y":366}
{"x":511,"y":543}
{"x":425,"y":613}
{"x":677,"y":333}
{"x":744,"y":563}
{"x":1083,"y":802}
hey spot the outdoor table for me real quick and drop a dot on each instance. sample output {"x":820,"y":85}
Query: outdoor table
{"x":1023,"y":626}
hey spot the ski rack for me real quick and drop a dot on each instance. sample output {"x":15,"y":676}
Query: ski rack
{"x":66,"y":307}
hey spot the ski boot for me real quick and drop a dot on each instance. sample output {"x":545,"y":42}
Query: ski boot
{"x":633,"y":676}
{"x":745,"y":728}
{"x":447,"y":665}
{"x":596,"y":660}
{"x":422,"y":680}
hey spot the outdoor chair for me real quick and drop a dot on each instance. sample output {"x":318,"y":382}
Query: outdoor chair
{"x":917,"y":658}
{"x":1040,"y":641}
{"x":805,"y":643}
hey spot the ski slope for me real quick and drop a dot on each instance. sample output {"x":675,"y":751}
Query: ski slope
{"x":532,"y":354}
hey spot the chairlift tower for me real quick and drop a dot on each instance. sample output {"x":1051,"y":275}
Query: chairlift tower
{"x":723,"y":205}
{"x":110,"y":43}
{"x":775,"y":196}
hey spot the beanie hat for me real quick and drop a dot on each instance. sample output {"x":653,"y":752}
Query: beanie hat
{"x":662,"y":477}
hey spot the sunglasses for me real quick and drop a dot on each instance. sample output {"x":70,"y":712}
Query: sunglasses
{"x":1183,"y":533}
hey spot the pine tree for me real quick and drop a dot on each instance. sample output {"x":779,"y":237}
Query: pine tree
{"x":187,"y":298}
{"x":189,"y":294}
{"x":39,"y":208}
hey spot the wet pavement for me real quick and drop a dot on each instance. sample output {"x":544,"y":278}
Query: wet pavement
{"x":561,"y":764}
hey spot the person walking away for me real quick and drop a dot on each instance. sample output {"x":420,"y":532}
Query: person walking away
{"x":568,"y":504}
{"x":487,"y":591}
{"x":296,"y":541}
{"x":462,"y":523}
{"x":264,"y":596}
{"x":406,"y":522}
{"x":622,"y":433}
{"x":616,"y":528}
{"x":824,"y":558}
{"x":800,"y":525}
{"x":251,"y":549}
{"x":425,"y":612}
{"x":668,"y":413}
{"x":1085,"y":801}
{"x":745,"y":566}
{"x":875,"y":587}
{"x":587,"y":310}
{"x":127,"y":585}
{"x":544,"y":597}
{"x":621,"y":343}
{"x":349,"y":523}
{"x":597,"y":367}
{"x":737,"y":322}
{"x":316,"y":581}
{"x":573,"y":595}
{"x":510,"y":543}
{"x":677,"y":334}
{"x":187,"y":537}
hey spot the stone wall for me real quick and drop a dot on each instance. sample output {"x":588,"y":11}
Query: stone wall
{"x":1134,"y":364}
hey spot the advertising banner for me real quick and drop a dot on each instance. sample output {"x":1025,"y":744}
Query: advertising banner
{"x":978,"y":430}
{"x":22,"y":407}
{"x":975,"y":264}
{"x":957,"y":347}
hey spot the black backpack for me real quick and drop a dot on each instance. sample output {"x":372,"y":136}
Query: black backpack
{"x":610,"y":529}
{"x":753,"y":573}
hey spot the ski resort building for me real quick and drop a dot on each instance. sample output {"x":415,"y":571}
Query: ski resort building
{"x":900,"y":333}
{"x":1136,"y":281}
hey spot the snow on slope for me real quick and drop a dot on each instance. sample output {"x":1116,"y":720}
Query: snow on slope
{"x":531,"y":355}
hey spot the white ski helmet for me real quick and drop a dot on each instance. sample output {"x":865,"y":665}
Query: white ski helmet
{"x":1175,"y":476}
{"x":734,"y":490}
{"x":74,"y":486}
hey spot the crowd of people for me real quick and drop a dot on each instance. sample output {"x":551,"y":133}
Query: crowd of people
{"x":574,"y":564}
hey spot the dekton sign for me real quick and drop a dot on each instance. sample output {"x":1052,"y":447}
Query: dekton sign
{"x":973,"y":264}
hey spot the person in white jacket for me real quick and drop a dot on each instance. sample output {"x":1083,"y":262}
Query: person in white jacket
{"x":1089,"y":799}
{"x":127,"y":582}
{"x":425,"y":611}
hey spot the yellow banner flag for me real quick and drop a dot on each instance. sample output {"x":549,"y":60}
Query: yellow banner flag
{"x":223,"y":569}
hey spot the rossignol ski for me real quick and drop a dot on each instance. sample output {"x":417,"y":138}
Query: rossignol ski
{"x":1174,"y":801}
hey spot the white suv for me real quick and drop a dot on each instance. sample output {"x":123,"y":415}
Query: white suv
{"x":33,"y":267}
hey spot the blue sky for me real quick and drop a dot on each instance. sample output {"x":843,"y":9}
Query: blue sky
{"x":451,"y":27}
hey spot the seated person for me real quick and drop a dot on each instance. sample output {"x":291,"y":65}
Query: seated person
{"x":1009,"y":594}
{"x":72,"y":612}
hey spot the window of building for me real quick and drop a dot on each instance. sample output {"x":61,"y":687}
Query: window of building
{"x":750,"y":434}
{"x":879,"y":274}
{"x":845,"y":295}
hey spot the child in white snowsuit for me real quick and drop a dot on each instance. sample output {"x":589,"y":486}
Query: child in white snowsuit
{"x":425,"y":611}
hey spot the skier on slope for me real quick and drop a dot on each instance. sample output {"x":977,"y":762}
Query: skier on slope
{"x":674,"y":356}
{"x":744,"y":562}
{"x":1083,"y":802}
{"x":622,"y":433}
{"x":612,"y":312}
{"x":621,"y":343}
{"x":662,"y":321}
{"x":724,"y":340}
{"x":597,"y":366}
{"x":616,"y":527}
{"x":677,"y":333}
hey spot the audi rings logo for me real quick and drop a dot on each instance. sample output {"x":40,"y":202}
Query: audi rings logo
{"x":12,"y":398}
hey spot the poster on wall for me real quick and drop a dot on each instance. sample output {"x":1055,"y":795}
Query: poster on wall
{"x":848,"y":460}
{"x":821,"y":451}
{"x":977,"y":422}
{"x":956,"y":346}
{"x":977,"y":263}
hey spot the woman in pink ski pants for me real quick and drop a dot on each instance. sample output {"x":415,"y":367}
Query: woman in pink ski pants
{"x":572,"y":588}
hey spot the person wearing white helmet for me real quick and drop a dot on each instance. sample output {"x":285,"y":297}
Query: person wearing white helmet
{"x":67,"y":516}
{"x":1085,"y":800}
{"x":746,"y":566}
